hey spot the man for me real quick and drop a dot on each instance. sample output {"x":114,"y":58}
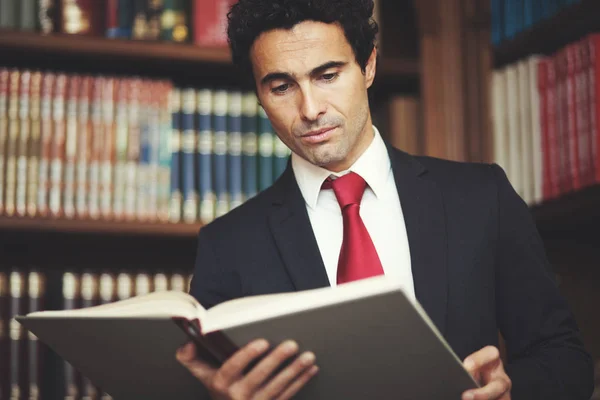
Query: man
{"x":456,"y":234}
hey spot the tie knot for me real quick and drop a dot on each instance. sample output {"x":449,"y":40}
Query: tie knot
{"x":348,"y":189}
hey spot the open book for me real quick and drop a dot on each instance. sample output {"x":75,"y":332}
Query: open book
{"x":370,"y":341}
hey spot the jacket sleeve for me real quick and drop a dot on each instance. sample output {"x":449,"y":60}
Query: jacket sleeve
{"x":546,"y":358}
{"x":213,"y":280}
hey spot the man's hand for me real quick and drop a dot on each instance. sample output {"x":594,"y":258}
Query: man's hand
{"x":230,"y":382}
{"x":486,"y":368}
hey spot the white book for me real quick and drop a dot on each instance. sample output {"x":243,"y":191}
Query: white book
{"x":369,"y":338}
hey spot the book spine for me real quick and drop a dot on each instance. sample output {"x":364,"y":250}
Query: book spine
{"x":205,"y":151}
{"x":250,"y":144}
{"x":96,"y":142}
{"x":133,"y":148}
{"x":125,"y":18}
{"x":83,"y":147}
{"x":4,"y":84}
{"x":35,"y":367}
{"x":4,"y":336}
{"x":107,"y":152}
{"x":83,"y":17}
{"x":70,"y":152}
{"x":9,"y":13}
{"x":594,"y":104}
{"x":234,"y":145}
{"x":154,"y":184}
{"x":12,"y":145}
{"x":23,"y":143}
{"x":89,"y":298}
{"x":47,"y":16}
{"x":552,"y":128}
{"x":122,"y":87}
{"x":580,"y":111}
{"x":266,"y":140}
{"x":164,"y":151}
{"x":220,"y":152}
{"x":536,"y":127}
{"x":58,"y":144}
{"x":112,"y":18}
{"x":17,"y":343}
{"x":176,"y":201}
{"x":27,"y":15}
{"x":573,"y":128}
{"x":281,"y":154}
{"x":188,"y":146}
{"x":34,"y":149}
{"x":210,"y":22}
{"x":45,"y":154}
{"x":143,"y":189}
{"x":71,"y":299}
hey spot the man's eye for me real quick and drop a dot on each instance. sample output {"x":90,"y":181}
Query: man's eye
{"x":281,"y":88}
{"x":329,"y":77}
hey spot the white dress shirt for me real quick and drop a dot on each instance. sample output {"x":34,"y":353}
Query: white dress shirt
{"x":380,"y":211}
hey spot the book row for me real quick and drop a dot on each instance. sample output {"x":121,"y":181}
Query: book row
{"x":201,"y":22}
{"x":28,"y":369}
{"x":510,"y":17}
{"x":130,"y":148}
{"x":545,"y":120}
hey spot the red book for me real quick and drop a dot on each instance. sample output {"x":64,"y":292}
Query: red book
{"x":594,"y":87}
{"x":573,"y":175}
{"x":210,"y":22}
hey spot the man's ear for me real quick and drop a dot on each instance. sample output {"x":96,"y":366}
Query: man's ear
{"x":370,"y":68}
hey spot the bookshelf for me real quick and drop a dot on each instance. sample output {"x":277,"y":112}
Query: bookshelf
{"x":100,"y":227}
{"x":568,"y":25}
{"x":568,"y":223}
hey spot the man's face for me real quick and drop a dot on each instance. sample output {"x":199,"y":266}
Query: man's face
{"x":314,"y":92}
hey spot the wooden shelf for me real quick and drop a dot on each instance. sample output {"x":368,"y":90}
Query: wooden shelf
{"x":103,"y":47}
{"x":99,"y":227}
{"x":172,"y":60}
{"x":547,"y":36}
{"x":576,"y":212}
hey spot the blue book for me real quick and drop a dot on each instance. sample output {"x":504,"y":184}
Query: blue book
{"x":188,"y":148}
{"x":234,"y":145}
{"x":266,"y":146}
{"x":176,"y":202}
{"x":497,"y":23}
{"x":205,"y":152}
{"x":249,"y":145}
{"x":220,"y":152}
{"x":281,"y":154}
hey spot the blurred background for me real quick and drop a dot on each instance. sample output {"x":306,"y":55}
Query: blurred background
{"x":124,"y":128}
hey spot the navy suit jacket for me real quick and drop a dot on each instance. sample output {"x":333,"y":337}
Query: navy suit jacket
{"x":478,"y":263}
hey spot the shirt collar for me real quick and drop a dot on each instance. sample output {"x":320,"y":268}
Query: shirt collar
{"x":373,"y":166}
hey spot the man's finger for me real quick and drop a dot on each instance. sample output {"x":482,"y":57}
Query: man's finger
{"x":186,"y":355}
{"x":233,"y":368}
{"x":265,"y":368}
{"x":298,"y":383}
{"x":288,"y":376}
{"x":487,"y":356}
{"x":493,"y":390}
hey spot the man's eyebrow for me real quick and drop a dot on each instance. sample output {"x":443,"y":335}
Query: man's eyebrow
{"x":331,"y":64}
{"x":315,"y":71}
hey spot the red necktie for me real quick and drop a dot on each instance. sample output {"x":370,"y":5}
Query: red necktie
{"x":358,"y":256}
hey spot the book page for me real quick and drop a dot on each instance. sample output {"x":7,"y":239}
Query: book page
{"x":255,"y":308}
{"x":157,"y":304}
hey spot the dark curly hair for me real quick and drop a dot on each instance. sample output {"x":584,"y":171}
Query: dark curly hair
{"x":247,"y":19}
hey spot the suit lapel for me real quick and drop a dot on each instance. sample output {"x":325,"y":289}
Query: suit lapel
{"x":425,"y":219}
{"x":294,"y":236}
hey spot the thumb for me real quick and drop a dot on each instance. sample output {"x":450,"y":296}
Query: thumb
{"x":186,"y":355}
